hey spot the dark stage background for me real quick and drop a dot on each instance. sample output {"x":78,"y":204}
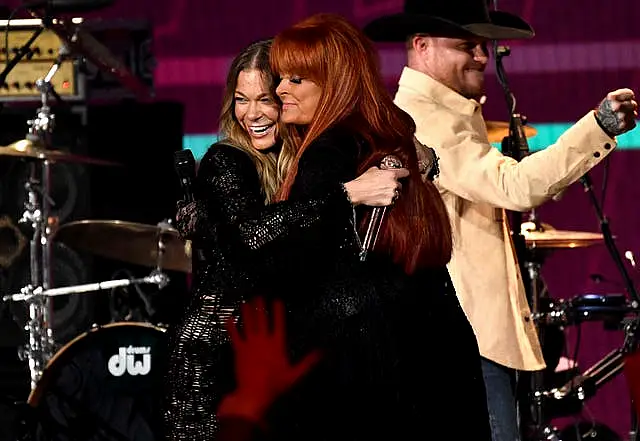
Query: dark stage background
{"x":582,"y":50}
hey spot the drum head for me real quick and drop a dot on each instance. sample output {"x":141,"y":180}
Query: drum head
{"x":104,"y":385}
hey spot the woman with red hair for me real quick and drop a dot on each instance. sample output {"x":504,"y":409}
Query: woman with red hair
{"x":399,"y":355}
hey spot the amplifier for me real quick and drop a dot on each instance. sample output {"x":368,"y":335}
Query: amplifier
{"x":45,"y":47}
{"x":109,"y":60}
{"x":20,"y":82}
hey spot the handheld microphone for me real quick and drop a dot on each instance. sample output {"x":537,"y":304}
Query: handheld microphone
{"x":378,"y":213}
{"x":185,"y":166}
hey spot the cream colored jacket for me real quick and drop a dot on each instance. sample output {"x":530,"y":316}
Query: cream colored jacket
{"x":477,"y":183}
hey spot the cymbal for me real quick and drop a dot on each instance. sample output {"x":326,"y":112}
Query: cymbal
{"x":549,"y":237}
{"x":130,"y":242}
{"x":35,"y":150}
{"x":497,"y":130}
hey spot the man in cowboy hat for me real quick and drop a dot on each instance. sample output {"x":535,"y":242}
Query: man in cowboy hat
{"x":441,"y":87}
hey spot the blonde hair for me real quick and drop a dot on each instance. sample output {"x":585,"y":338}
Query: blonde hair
{"x":270,"y":169}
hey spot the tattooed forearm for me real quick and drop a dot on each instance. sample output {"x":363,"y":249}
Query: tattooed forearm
{"x":610,"y":121}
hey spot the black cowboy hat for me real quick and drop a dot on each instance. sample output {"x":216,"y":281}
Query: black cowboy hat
{"x":448,"y":18}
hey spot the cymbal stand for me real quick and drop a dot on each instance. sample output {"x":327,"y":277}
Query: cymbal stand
{"x":163,"y":227}
{"x":542,"y":429}
{"x":631,"y":339}
{"x":157,"y":276}
{"x":40,"y":344}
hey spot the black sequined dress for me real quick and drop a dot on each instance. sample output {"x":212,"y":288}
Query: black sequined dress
{"x":400,"y":357}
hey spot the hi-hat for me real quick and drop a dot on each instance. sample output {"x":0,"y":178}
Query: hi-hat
{"x":26,"y":148}
{"x":128,"y":242}
{"x":548,"y":237}
{"x":497,"y":130}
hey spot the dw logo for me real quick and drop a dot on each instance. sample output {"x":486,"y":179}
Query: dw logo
{"x":125,"y":361}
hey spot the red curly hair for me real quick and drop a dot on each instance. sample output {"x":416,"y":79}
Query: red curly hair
{"x":337,"y":56}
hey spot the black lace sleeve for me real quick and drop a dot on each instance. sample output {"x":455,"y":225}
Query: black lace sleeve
{"x":234,"y":210}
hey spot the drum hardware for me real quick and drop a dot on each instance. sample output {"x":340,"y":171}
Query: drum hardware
{"x":102,"y":385}
{"x":605,"y":228}
{"x":545,"y":236}
{"x":497,"y":130}
{"x":586,"y":385}
{"x":608,"y":308}
{"x":28,"y":293}
{"x":122,"y":306}
{"x":570,"y":397}
{"x":35,"y":149}
{"x":156,"y":246}
{"x":40,"y":345}
{"x":540,"y":239}
{"x":612,"y":309}
{"x":38,"y":205}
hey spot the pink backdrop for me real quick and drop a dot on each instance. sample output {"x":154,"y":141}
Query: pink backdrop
{"x":582,"y":50}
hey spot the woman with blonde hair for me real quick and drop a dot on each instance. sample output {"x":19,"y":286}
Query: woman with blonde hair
{"x":236,"y":178}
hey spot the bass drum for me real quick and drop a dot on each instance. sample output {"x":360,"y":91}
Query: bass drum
{"x":106,"y":384}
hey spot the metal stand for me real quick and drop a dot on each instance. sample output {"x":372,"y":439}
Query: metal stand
{"x":532,"y":261}
{"x":40,"y":344}
{"x":27,"y":294}
{"x":515,"y":145}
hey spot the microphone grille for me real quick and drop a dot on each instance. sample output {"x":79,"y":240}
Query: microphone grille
{"x":184,"y":162}
{"x":390,"y":161}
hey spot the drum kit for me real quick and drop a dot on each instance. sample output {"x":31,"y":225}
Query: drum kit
{"x":562,"y":390}
{"x":105,"y":380}
{"x":103,"y":384}
{"x":540,"y":398}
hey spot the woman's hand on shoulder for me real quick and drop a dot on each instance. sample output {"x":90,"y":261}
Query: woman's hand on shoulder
{"x":376,"y":187}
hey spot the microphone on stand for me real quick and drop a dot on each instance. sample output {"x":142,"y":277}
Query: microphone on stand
{"x":378,"y":213}
{"x":517,"y":137}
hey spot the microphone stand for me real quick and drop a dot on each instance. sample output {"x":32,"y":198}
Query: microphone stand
{"x":630,"y":343}
{"x":515,"y":145}
{"x":586,"y":182}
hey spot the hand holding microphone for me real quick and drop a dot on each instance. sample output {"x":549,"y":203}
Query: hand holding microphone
{"x":388,"y":163}
{"x":187,"y":208}
{"x":377,"y":187}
